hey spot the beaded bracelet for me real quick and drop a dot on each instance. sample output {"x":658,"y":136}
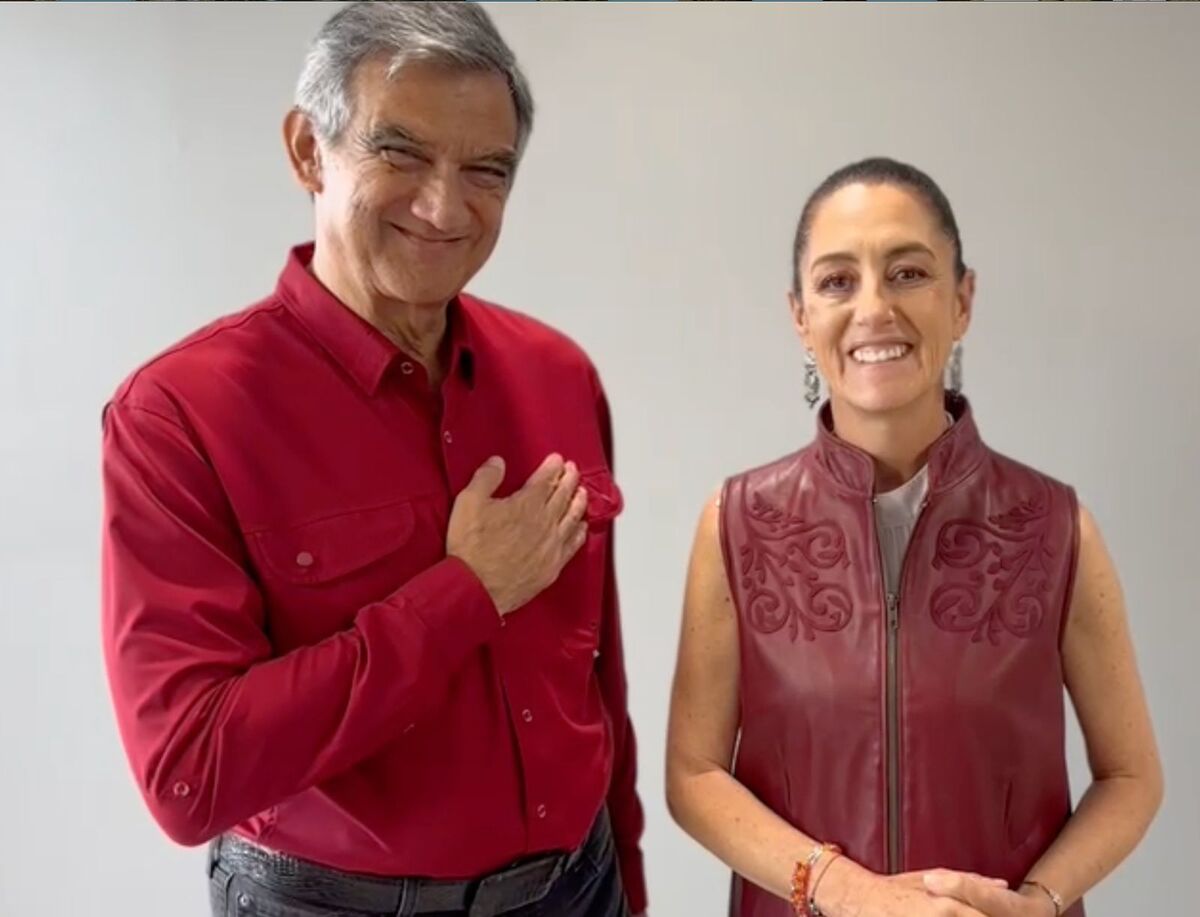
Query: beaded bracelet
{"x":802,"y":903}
{"x":834,"y":852}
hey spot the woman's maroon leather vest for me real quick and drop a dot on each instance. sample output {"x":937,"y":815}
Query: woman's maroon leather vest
{"x":917,"y":729}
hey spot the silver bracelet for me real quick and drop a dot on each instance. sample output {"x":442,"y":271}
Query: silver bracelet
{"x":1055,"y":897}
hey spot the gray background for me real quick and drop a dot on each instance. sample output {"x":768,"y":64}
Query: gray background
{"x":144,"y":192}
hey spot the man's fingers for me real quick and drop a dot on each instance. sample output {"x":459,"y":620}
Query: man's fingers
{"x":573,"y":517}
{"x":577,"y":539}
{"x":564,"y":490}
{"x":546,"y":474}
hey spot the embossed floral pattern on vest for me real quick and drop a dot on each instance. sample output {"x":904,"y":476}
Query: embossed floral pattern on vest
{"x":783,"y":557}
{"x":1007,"y":556}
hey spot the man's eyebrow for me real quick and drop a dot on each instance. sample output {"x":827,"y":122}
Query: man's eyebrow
{"x":386,"y":134}
{"x":394,"y":135}
{"x":501,"y":157}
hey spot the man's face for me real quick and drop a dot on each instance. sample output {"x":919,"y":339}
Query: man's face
{"x":410,"y":199}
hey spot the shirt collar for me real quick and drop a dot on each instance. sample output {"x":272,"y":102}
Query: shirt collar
{"x":898,"y":508}
{"x":952,"y":457}
{"x":353,"y":342}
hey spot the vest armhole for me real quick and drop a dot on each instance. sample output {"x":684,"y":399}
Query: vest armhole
{"x":725,"y":501}
{"x":1072,"y":566}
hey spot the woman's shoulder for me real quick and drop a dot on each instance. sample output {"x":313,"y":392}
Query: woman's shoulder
{"x":782,"y":467}
{"x":1006,"y":466}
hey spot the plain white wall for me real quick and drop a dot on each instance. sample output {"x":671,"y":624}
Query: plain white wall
{"x":143,"y":191}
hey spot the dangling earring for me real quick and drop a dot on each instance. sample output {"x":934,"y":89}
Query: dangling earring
{"x":812,"y":381}
{"x":955,"y":382}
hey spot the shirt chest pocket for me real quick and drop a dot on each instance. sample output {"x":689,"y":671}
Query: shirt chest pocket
{"x":317,"y":575}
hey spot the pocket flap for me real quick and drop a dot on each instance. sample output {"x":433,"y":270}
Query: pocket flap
{"x":329,"y":548}
{"x":605,"y":500}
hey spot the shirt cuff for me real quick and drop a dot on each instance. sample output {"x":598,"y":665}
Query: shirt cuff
{"x":454,"y":606}
{"x":633,"y":877}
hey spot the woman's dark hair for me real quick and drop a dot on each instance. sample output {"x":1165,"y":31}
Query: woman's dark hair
{"x":878,"y":170}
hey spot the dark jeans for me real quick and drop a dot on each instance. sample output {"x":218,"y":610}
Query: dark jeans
{"x":245,"y":881}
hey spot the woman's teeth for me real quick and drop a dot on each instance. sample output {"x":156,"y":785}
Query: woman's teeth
{"x":880,"y":354}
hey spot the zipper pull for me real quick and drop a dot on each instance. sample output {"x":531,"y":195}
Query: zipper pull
{"x":893,"y":610}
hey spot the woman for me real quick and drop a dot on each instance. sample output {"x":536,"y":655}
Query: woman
{"x":882,"y":623}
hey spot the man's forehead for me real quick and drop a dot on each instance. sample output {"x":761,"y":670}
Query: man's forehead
{"x":376,"y":81}
{"x":425,"y":102}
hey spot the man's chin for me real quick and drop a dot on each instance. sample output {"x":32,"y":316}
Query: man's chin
{"x":425,"y":294}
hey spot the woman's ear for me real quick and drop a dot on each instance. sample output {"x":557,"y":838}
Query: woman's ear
{"x":799,"y":316}
{"x":964,"y":303}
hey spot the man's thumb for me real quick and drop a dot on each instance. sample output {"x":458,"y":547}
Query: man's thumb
{"x":488,"y":477}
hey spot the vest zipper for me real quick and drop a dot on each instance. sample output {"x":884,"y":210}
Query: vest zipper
{"x":892,"y":691}
{"x":893,"y":733}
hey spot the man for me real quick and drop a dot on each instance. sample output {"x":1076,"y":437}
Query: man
{"x":360,"y":619}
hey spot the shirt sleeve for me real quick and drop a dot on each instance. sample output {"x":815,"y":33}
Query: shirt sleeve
{"x":215,"y":727}
{"x":625,"y":808}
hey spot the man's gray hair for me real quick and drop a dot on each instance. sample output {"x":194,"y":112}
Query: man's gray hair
{"x":457,"y":34}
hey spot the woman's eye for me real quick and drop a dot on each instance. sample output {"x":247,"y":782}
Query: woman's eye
{"x":909,"y":274}
{"x":834,"y":283}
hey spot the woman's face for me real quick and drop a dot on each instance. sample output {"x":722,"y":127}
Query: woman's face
{"x":880,"y":306}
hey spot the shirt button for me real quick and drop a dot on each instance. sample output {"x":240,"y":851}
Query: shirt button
{"x":447,"y":437}
{"x":181,"y":789}
{"x":407,"y":368}
{"x":527,"y":715}
{"x":541,"y":811}
{"x":304,"y":559}
{"x":595,"y":654}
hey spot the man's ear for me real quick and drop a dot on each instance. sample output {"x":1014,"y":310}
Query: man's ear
{"x":303,"y":150}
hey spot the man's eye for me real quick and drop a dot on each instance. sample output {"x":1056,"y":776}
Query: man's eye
{"x":400,"y":157}
{"x":489,"y":176}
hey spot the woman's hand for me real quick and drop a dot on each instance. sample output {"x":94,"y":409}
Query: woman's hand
{"x":986,"y":897}
{"x":849,"y":890}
